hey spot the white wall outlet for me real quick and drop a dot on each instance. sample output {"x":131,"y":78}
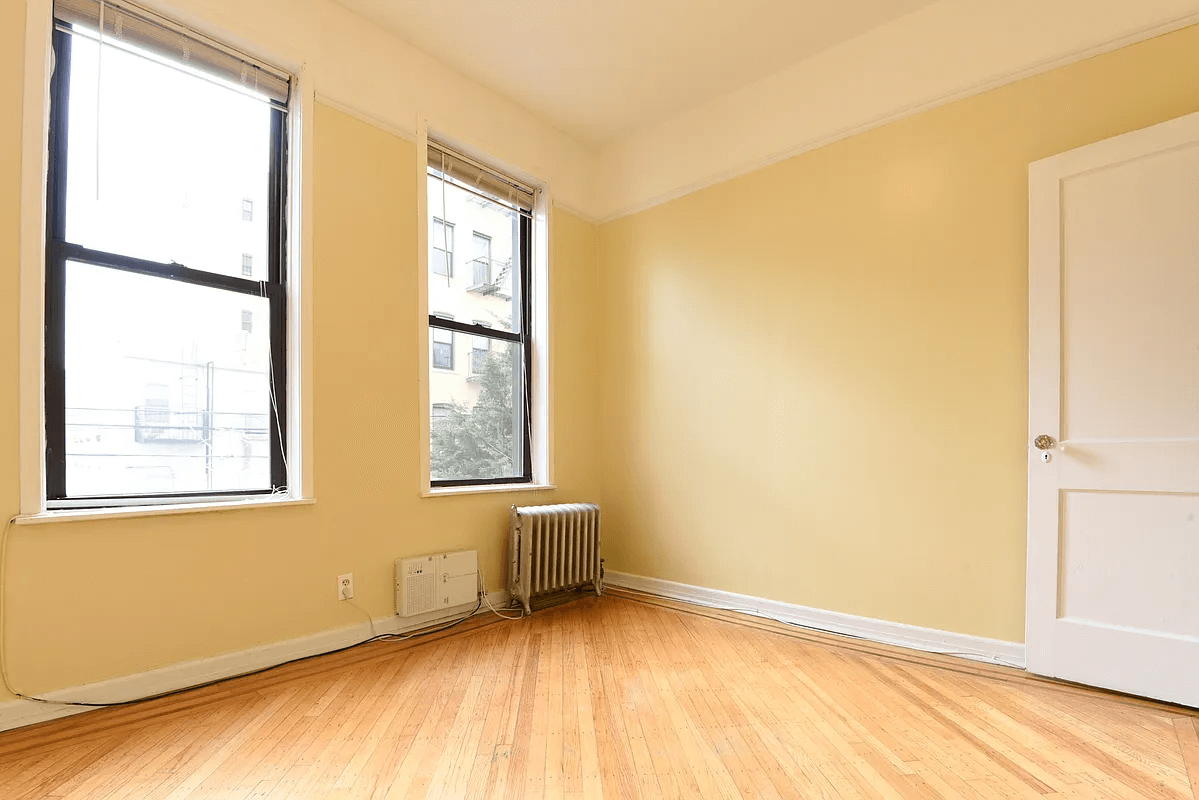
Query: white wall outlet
{"x":345,"y":586}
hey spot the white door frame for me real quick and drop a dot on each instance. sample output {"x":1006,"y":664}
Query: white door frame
{"x":1046,"y":180}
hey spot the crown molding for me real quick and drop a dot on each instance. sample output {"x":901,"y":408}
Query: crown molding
{"x":699,"y":132}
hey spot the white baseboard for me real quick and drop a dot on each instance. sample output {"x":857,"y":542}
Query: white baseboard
{"x":17,"y":713}
{"x":929,"y":640}
{"x":20,"y":712}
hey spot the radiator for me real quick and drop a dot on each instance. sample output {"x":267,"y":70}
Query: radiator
{"x":553,"y":548}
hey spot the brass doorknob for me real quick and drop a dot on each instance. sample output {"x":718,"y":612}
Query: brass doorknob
{"x":1044,"y":442}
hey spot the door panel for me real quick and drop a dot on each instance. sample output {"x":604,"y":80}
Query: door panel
{"x":1129,"y":327}
{"x":1130,"y":560}
{"x":1113,"y":559}
{"x":1147,"y":466}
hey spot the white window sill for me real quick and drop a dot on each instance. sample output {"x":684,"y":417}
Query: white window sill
{"x":127,"y":512}
{"x":451,"y":491}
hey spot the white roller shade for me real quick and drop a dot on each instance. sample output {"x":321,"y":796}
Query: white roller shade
{"x":126,"y":24}
{"x":480,"y":179}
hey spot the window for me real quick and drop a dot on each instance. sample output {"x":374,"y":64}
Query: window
{"x":484,"y":436}
{"x":480,"y":273}
{"x":480,"y":350}
{"x":441,"y":412}
{"x":443,"y":349}
{"x":479,"y":355}
{"x":441,"y":248}
{"x":143,"y":343}
{"x":157,"y":409}
{"x":158,"y":395}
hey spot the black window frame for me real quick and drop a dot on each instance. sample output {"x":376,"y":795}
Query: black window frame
{"x":59,"y":251}
{"x":523,"y":338}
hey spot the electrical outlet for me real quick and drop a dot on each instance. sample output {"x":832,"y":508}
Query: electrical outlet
{"x":345,"y":586}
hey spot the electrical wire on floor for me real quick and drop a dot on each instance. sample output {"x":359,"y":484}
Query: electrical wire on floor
{"x":382,"y":637}
{"x":400,"y":637}
{"x":483,"y":594}
{"x":389,"y":637}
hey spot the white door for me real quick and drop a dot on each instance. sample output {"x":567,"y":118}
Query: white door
{"x":1113,"y":488}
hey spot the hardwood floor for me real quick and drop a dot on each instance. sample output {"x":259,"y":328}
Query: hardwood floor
{"x":617,"y":698}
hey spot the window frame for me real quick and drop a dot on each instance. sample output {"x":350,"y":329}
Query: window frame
{"x":524,"y":338}
{"x":58,"y":252}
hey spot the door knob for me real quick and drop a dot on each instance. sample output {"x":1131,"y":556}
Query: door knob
{"x":1044,"y":442}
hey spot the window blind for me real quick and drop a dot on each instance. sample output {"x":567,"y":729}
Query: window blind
{"x":480,"y":179}
{"x":140,"y":30}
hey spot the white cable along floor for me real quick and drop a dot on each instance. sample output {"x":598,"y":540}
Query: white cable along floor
{"x":617,"y":697}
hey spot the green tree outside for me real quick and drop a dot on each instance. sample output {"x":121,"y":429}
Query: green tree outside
{"x":478,"y":442}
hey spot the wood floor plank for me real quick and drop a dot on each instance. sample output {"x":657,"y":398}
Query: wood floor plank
{"x":1188,"y":741}
{"x":618,"y":698}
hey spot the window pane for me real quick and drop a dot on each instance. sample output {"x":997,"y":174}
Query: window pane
{"x":441,"y":248}
{"x":478,"y":420}
{"x":488,"y":287}
{"x":164,"y":165}
{"x":165,"y":389}
{"x":443,"y":355}
{"x":443,"y":348}
{"x":481,"y":260}
{"x":480,"y":352}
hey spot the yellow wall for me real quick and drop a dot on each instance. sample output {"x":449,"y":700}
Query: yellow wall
{"x":12,"y":44}
{"x":91,"y":600}
{"x":815,"y":375}
{"x":811,"y":387}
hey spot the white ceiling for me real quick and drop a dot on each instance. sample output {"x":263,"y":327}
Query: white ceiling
{"x":601,"y":69}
